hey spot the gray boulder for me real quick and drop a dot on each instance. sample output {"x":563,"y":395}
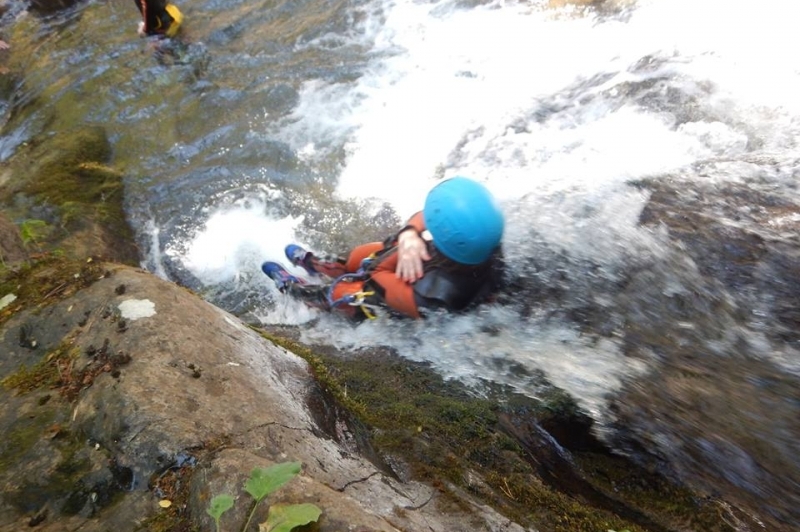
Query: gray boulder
{"x":149,"y":396}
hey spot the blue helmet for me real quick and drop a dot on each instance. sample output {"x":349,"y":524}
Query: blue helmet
{"x":464,"y":220}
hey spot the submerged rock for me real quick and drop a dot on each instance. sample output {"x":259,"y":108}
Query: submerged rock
{"x":64,"y":196}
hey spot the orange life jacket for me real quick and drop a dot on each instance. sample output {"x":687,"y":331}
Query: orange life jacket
{"x":445,"y":283}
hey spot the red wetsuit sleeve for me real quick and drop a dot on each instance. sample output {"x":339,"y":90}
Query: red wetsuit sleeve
{"x":360,"y":253}
{"x":397,"y":293}
{"x":417,"y":222}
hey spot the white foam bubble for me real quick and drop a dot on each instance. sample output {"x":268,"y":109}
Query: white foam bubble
{"x":237,"y":237}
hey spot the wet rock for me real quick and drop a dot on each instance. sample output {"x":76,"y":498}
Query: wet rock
{"x":225,"y":475}
{"x":120,"y":438}
{"x":12,"y":249}
{"x":719,"y":407}
{"x":69,"y":197}
{"x":49,"y":7}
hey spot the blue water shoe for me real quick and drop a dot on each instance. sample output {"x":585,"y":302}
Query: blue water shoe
{"x":300,"y":257}
{"x":278,"y":273}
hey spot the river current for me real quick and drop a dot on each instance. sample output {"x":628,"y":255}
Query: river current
{"x":325,"y":122}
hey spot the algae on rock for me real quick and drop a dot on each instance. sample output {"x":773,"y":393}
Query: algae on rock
{"x":65,"y":181}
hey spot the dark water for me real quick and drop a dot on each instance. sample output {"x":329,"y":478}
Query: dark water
{"x":647,"y":165}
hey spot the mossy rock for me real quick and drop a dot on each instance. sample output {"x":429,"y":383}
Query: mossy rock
{"x":45,"y":281}
{"x":49,"y":7}
{"x":66,"y":182}
{"x":441,"y":432}
{"x":12,"y":248}
{"x":70,"y":168}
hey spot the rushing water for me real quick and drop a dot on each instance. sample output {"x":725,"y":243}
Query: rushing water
{"x":325,"y":122}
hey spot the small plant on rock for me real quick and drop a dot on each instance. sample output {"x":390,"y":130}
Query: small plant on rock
{"x":262,"y":482}
{"x":32,"y":232}
{"x":218,"y":506}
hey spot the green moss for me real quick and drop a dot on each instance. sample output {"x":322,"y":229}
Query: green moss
{"x":443,"y":431}
{"x":174,"y":484}
{"x":72,"y":175}
{"x":321,"y":373}
{"x":33,"y":231}
{"x":652,"y":493}
{"x":46,"y":373}
{"x":550,"y":510}
{"x":47,"y":280}
{"x":81,"y":145}
{"x":22,"y":434}
{"x":77,"y":193}
{"x":167,"y":521}
{"x":65,"y":482}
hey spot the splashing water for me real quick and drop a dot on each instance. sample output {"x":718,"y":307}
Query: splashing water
{"x":557,"y":111}
{"x":645,"y":154}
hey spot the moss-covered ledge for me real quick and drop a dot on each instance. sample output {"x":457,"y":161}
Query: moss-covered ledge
{"x":440,"y":432}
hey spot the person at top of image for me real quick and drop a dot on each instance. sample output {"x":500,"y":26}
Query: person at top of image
{"x":447,"y":256}
{"x":159,"y":17}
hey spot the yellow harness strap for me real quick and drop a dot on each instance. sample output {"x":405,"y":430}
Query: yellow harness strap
{"x":177,"y":20}
{"x":359,"y":302}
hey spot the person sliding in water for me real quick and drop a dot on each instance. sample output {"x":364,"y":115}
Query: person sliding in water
{"x":158,"y":18}
{"x":448,"y":256}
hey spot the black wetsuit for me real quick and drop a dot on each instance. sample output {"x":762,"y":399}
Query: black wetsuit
{"x":455,"y":287}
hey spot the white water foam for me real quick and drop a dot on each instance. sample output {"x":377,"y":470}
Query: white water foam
{"x":535,"y":103}
{"x":238,"y":237}
{"x":453,"y":81}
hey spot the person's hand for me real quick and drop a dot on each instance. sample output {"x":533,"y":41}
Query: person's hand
{"x":411,"y":251}
{"x":140,"y":29}
{"x":4,"y":45}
